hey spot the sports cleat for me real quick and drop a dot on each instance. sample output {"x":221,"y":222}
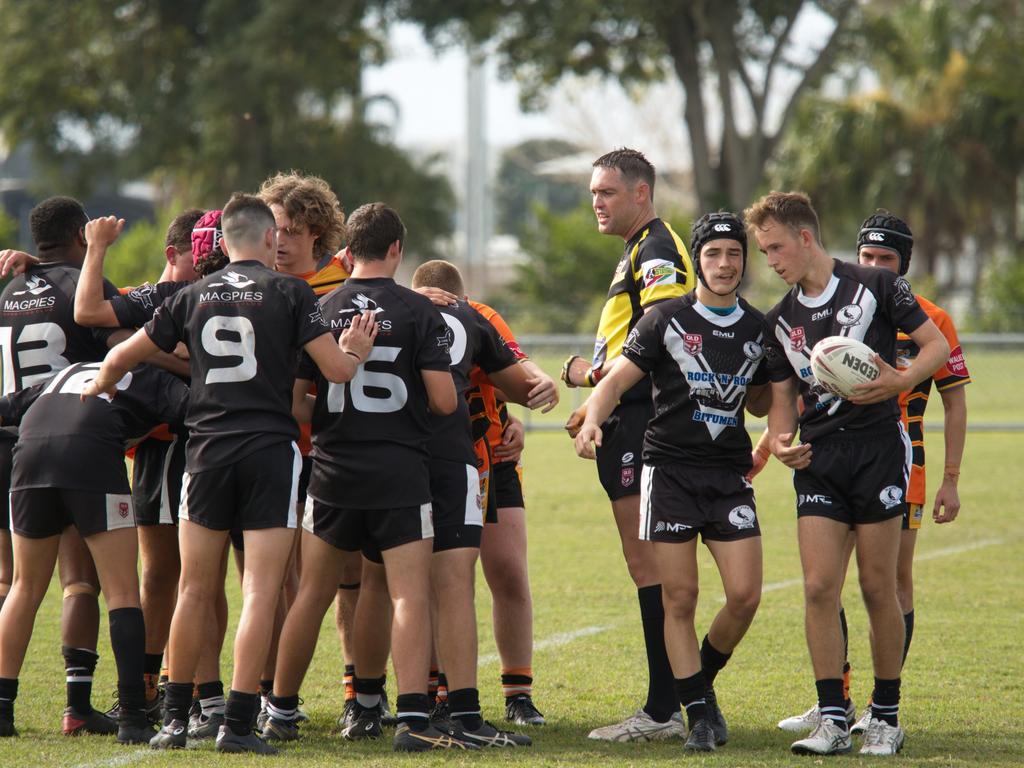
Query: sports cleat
{"x":488,"y":736}
{"x":261,"y":719}
{"x":702,"y":738}
{"x":348,"y":714}
{"x":171,"y":736}
{"x":861,"y":726}
{"x":408,"y":740}
{"x":281,"y":730}
{"x":365,"y":725}
{"x":827,"y":739}
{"x":229,"y":741}
{"x":7,"y":725}
{"x":809,"y":720}
{"x":641,"y":727}
{"x":387,"y":718}
{"x":882,"y":738}
{"x":134,"y":728}
{"x":202,"y":726}
{"x":301,"y":715}
{"x":441,"y":715}
{"x":73,"y":723}
{"x":715,"y":718}
{"x":155,"y":707}
{"x":519,"y":709}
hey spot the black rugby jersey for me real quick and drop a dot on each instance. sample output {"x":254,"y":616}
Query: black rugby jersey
{"x":700,"y":365}
{"x":865,"y":303}
{"x":38,"y":332}
{"x":243,"y":326}
{"x":472,"y":341}
{"x":64,"y":442}
{"x":370,"y":434}
{"x":654,"y":267}
{"x":135,"y":308}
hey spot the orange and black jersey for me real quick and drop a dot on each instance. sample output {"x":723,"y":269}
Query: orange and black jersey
{"x":913,"y":402}
{"x":654,"y":266}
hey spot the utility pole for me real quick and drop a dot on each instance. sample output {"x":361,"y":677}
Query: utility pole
{"x":476,"y":168}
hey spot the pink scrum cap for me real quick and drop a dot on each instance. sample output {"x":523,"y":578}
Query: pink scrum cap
{"x":206,"y":235}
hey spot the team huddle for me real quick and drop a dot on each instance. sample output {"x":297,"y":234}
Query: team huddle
{"x":347,"y":439}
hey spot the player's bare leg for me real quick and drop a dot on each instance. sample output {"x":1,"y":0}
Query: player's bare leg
{"x":344,"y":620}
{"x":639,"y":555}
{"x":289,"y":589}
{"x":452,"y":577}
{"x":740,"y":566}
{"x":877,"y":552}
{"x":373,"y":622}
{"x":503,"y":553}
{"x":161,"y":567}
{"x":905,"y":570}
{"x":34,"y":560}
{"x":79,"y":628}
{"x":206,"y":722}
{"x":677,"y":564}
{"x":6,"y":565}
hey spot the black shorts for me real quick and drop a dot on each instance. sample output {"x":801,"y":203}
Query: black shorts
{"x":307,"y":467}
{"x":507,"y":477}
{"x":619,"y":457}
{"x":6,"y":462}
{"x":457,"y":505}
{"x":856,"y":477}
{"x":678,"y":501}
{"x":157,"y":473}
{"x":38,"y":513}
{"x":370,"y":531}
{"x":259,"y":491}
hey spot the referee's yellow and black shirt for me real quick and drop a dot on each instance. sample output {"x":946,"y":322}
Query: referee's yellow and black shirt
{"x":654,"y":266}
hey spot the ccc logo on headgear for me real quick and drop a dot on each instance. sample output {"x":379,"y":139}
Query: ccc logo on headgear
{"x":722,"y":228}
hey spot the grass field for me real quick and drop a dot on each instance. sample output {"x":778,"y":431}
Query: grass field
{"x":963,"y":704}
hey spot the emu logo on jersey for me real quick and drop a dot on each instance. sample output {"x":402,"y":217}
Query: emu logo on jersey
{"x":694,"y":343}
{"x":797,"y":339}
{"x":850,"y":314}
{"x":752,"y":351}
{"x":34,"y":285}
{"x":234,"y":280}
{"x":143,"y":295}
{"x":742,"y":517}
{"x":890,"y":496}
{"x":363,"y":304}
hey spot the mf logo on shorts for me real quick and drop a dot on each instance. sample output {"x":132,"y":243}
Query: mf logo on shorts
{"x":663,"y":527}
{"x":813,"y":498}
{"x":890,"y":496}
{"x":742,"y":517}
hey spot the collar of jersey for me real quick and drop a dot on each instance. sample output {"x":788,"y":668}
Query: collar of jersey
{"x":722,"y":321}
{"x":640,"y":234}
{"x":824,"y":298}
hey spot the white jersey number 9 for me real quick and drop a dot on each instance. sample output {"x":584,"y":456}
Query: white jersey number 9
{"x":217,"y":346}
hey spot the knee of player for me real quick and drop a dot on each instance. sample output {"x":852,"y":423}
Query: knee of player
{"x":743,"y":603}
{"x":680,"y":600}
{"x":821,"y":592}
{"x":877,"y":589}
{"x":76,"y":588}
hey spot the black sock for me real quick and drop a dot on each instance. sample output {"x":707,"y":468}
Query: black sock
{"x":661,"y":695}
{"x":690,"y":691}
{"x":368,"y":691}
{"x":846,"y":634}
{"x":885,"y":701}
{"x":413,"y":709}
{"x":266,"y":687}
{"x":908,"y":623}
{"x":177,"y":701}
{"x":830,"y":701}
{"x":240,"y":711}
{"x":79,"y":665}
{"x":128,"y":641}
{"x":464,"y":704}
{"x":712,"y":660}
{"x":211,"y":697}
{"x":283,"y":707}
{"x":8,"y":693}
{"x":153,"y":663}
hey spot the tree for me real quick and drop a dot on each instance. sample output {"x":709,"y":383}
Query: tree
{"x":938,"y":140}
{"x":519,"y":185}
{"x":732,"y":58}
{"x":206,"y":97}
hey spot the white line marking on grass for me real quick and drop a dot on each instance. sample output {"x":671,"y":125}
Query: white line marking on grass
{"x":562,"y":638}
{"x":932,"y":555}
{"x":110,"y":762}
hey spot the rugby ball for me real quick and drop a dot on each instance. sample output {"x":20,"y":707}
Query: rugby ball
{"x":840,"y":363}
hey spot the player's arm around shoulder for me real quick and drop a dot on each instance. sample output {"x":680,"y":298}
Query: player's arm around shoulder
{"x":119,"y":360}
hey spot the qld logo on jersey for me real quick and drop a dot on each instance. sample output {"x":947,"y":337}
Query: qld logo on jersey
{"x":694,"y":343}
{"x":658,"y":272}
{"x":797,"y":339}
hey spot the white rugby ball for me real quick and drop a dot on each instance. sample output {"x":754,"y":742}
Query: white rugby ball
{"x":840,"y":363}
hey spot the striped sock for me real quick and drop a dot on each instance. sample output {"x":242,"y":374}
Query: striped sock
{"x":885,"y":701}
{"x":413,"y":710}
{"x":79,"y":665}
{"x":432,"y":685}
{"x":211,"y":698}
{"x":442,"y":688}
{"x":690,"y":691}
{"x":517,"y":681}
{"x":830,"y":701}
{"x":347,"y":681}
{"x":283,"y":708}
